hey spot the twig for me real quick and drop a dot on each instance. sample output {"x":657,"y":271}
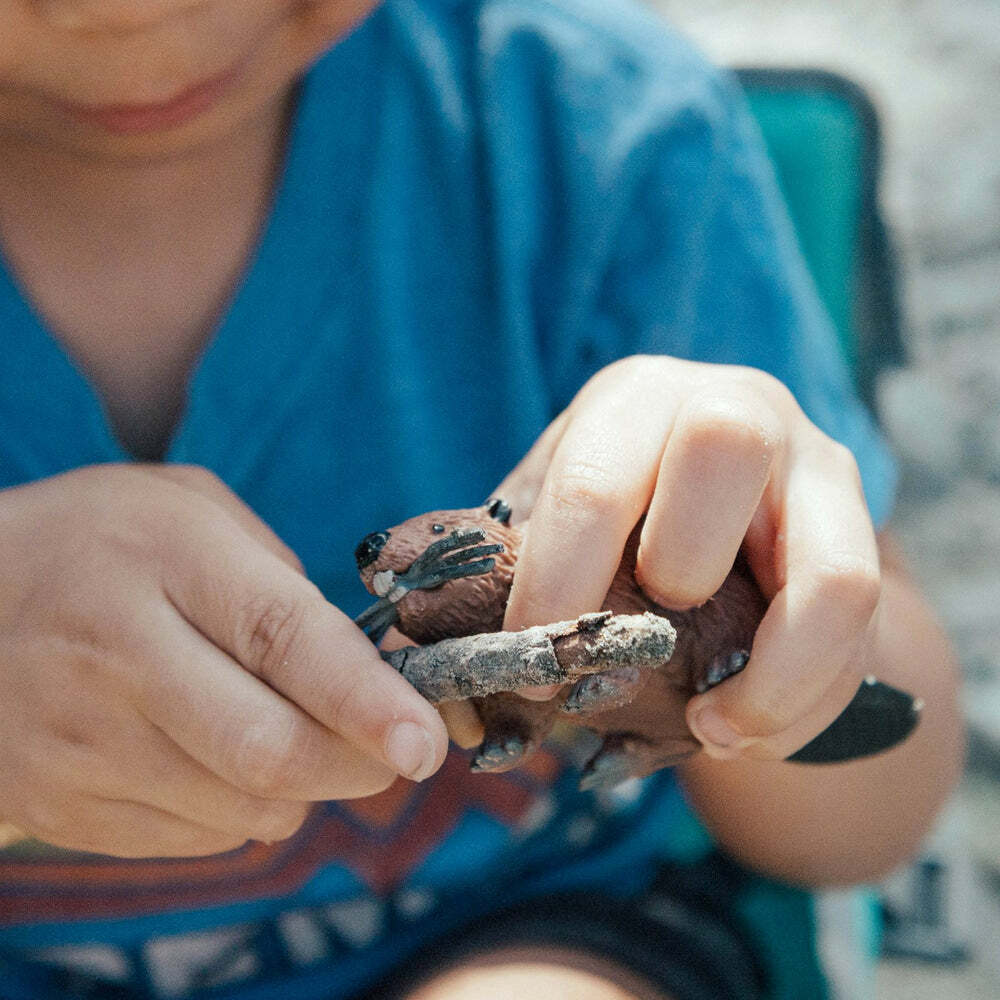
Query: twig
{"x":479,"y":665}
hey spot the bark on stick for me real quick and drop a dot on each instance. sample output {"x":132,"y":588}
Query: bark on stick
{"x":480,"y":665}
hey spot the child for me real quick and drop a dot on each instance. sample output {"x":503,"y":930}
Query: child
{"x":354,"y":292}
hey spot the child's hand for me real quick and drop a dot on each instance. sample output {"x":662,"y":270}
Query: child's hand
{"x":720,"y":457}
{"x":170,"y":683}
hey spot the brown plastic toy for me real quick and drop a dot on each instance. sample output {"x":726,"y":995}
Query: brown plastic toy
{"x":448,"y":574}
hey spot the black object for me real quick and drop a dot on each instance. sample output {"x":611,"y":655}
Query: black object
{"x":878,"y":718}
{"x":499,"y":510}
{"x":369,"y":547}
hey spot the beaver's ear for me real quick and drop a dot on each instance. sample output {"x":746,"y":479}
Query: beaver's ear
{"x":498,"y":510}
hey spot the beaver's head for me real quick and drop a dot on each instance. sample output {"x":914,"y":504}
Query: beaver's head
{"x":446,"y":573}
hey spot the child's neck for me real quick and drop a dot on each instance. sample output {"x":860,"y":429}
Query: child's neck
{"x":131,"y":265}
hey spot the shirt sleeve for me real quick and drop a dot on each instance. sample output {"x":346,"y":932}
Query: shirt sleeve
{"x":706,"y":266}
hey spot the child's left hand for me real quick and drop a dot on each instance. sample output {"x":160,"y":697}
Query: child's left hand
{"x":719,"y":458}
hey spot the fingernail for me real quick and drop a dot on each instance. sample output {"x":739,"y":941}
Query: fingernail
{"x":410,"y":750}
{"x":710,"y":727}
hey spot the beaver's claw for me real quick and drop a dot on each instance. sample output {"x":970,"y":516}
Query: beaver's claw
{"x":451,"y":558}
{"x":435,"y":566}
{"x":513,"y":730}
{"x":501,"y":754}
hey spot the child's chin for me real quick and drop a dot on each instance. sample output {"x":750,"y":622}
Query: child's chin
{"x":102,"y":140}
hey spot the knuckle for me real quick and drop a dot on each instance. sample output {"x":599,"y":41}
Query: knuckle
{"x":636,"y":368}
{"x":266,"y":764}
{"x":271,"y":628}
{"x":268,"y":775}
{"x":746,"y":426}
{"x":764,"y":386}
{"x":196,"y":476}
{"x":628,"y":367}
{"x":836,"y":458}
{"x":853,"y":584}
{"x":115,"y":538}
{"x":280,"y":821}
{"x":842,"y":459}
{"x":288,"y":555}
{"x":583,"y":490}
{"x":352,"y":702}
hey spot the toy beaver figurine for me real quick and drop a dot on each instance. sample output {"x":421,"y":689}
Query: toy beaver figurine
{"x":448,"y":574}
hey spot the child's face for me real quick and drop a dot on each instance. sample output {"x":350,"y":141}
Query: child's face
{"x":147,"y":78}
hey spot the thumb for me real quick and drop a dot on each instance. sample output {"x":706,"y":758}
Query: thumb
{"x":719,"y":719}
{"x":278,"y":626}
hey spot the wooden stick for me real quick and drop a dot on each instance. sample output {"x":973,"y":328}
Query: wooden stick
{"x":484,"y":664}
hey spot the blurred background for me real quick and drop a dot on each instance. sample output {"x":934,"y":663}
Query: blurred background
{"x":932,"y":69}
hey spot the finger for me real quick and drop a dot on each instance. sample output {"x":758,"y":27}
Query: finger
{"x":461,"y":719}
{"x":521,"y":486}
{"x":208,"y":485}
{"x":519,"y":490}
{"x":247,"y":734}
{"x":598,"y":484}
{"x":714,"y":470}
{"x":278,"y":627}
{"x":464,"y":725}
{"x":820,"y":623}
{"x":110,"y":750}
{"x":130,"y":830}
{"x":174,"y":782}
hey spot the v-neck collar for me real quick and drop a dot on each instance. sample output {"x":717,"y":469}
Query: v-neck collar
{"x":59,"y":417}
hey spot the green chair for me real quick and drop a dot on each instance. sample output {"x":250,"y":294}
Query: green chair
{"x":822,"y":133}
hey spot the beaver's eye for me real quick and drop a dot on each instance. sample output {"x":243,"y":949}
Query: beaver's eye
{"x":498,"y":510}
{"x":438,"y":529}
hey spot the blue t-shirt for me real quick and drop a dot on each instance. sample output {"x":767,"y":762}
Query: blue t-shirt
{"x":483,"y":203}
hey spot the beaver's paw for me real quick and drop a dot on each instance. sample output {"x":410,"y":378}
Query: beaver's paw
{"x":501,"y":753}
{"x":460,"y":554}
{"x":600,"y":692}
{"x":627,"y":755}
{"x":514,"y":729}
{"x":719,"y":668}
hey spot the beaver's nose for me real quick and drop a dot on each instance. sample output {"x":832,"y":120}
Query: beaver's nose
{"x":369,"y":547}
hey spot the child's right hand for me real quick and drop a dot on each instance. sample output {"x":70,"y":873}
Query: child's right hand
{"x":170,"y":683}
